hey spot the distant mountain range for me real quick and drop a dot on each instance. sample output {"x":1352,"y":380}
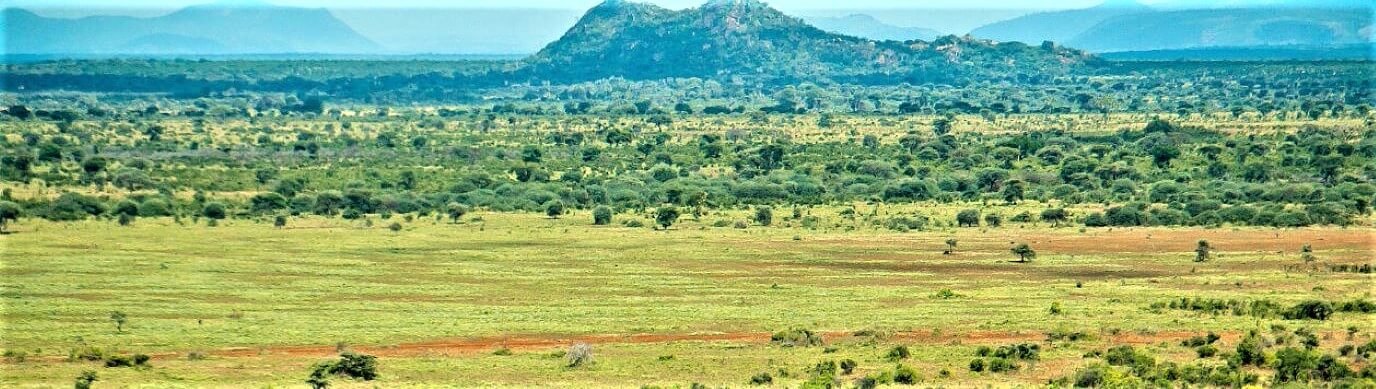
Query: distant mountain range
{"x":460,"y":30}
{"x":1188,"y":29}
{"x":211,"y":29}
{"x":728,"y":38}
{"x":1057,"y":26}
{"x":1128,"y":26}
{"x":866,"y":26}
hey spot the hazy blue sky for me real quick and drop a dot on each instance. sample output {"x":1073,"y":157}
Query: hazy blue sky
{"x":573,"y":4}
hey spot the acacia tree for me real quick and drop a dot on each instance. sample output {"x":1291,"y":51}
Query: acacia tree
{"x":1024,"y":252}
{"x":1055,"y":215}
{"x":950,"y":246}
{"x":1013,"y":191}
{"x":968,"y":218}
{"x":666,"y":216}
{"x":119,"y":318}
{"x":1201,"y":251}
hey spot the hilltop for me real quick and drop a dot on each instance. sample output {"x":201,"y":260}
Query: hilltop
{"x":747,"y":38}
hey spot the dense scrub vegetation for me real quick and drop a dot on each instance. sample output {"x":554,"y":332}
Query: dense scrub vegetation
{"x":430,"y":162}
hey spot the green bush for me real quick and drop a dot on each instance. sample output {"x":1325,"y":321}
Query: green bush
{"x":905,"y":375}
{"x":796,"y":337}
{"x":602,"y":216}
{"x":898,"y":353}
{"x":1310,"y":310}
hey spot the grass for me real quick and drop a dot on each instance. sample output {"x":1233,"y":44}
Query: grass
{"x":254,"y":298}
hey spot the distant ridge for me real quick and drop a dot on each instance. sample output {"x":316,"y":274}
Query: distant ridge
{"x":239,"y":27}
{"x":1057,"y":26}
{"x":866,"y":26}
{"x":1191,"y":29}
{"x":1125,"y":25}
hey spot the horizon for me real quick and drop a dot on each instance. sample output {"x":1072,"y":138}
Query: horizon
{"x":523,"y":27}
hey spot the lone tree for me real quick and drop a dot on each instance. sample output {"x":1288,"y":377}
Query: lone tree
{"x":119,"y":318}
{"x":9,"y":212}
{"x":279,"y":221}
{"x":1307,"y":253}
{"x":666,"y":216}
{"x":554,"y":209}
{"x":950,"y":247}
{"x":1024,"y":252}
{"x":1201,"y":252}
{"x":968,"y":218}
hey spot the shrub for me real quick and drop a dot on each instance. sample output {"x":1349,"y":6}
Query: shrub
{"x":579,"y":355}
{"x":762,"y":379}
{"x":993,"y":220}
{"x":898,"y":353}
{"x":796,"y":337}
{"x":554,"y":209}
{"x":1359,"y":306}
{"x":602,"y":216}
{"x":1206,"y":351}
{"x":904,"y":375}
{"x":1127,"y":356}
{"x":1312,"y":309}
{"x":84,"y":380}
{"x":1092,"y":376}
{"x":1200,"y":340}
{"x":1067,"y":335}
{"x":945,"y":294}
{"x":214,"y":211}
{"x":87,"y":353}
{"x":1250,"y":351}
{"x":1000,"y":365}
{"x":977,"y":365}
{"x":906,"y":223}
{"x":848,"y":366}
{"x":115,"y":360}
{"x":764,"y":215}
{"x":16,"y":356}
{"x":826,"y":369}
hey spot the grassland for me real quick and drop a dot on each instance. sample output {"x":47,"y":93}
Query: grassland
{"x":693,"y":304}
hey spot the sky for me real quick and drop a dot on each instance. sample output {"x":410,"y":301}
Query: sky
{"x":574,"y":4}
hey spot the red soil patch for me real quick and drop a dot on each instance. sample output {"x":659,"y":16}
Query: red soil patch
{"x":469,"y":346}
